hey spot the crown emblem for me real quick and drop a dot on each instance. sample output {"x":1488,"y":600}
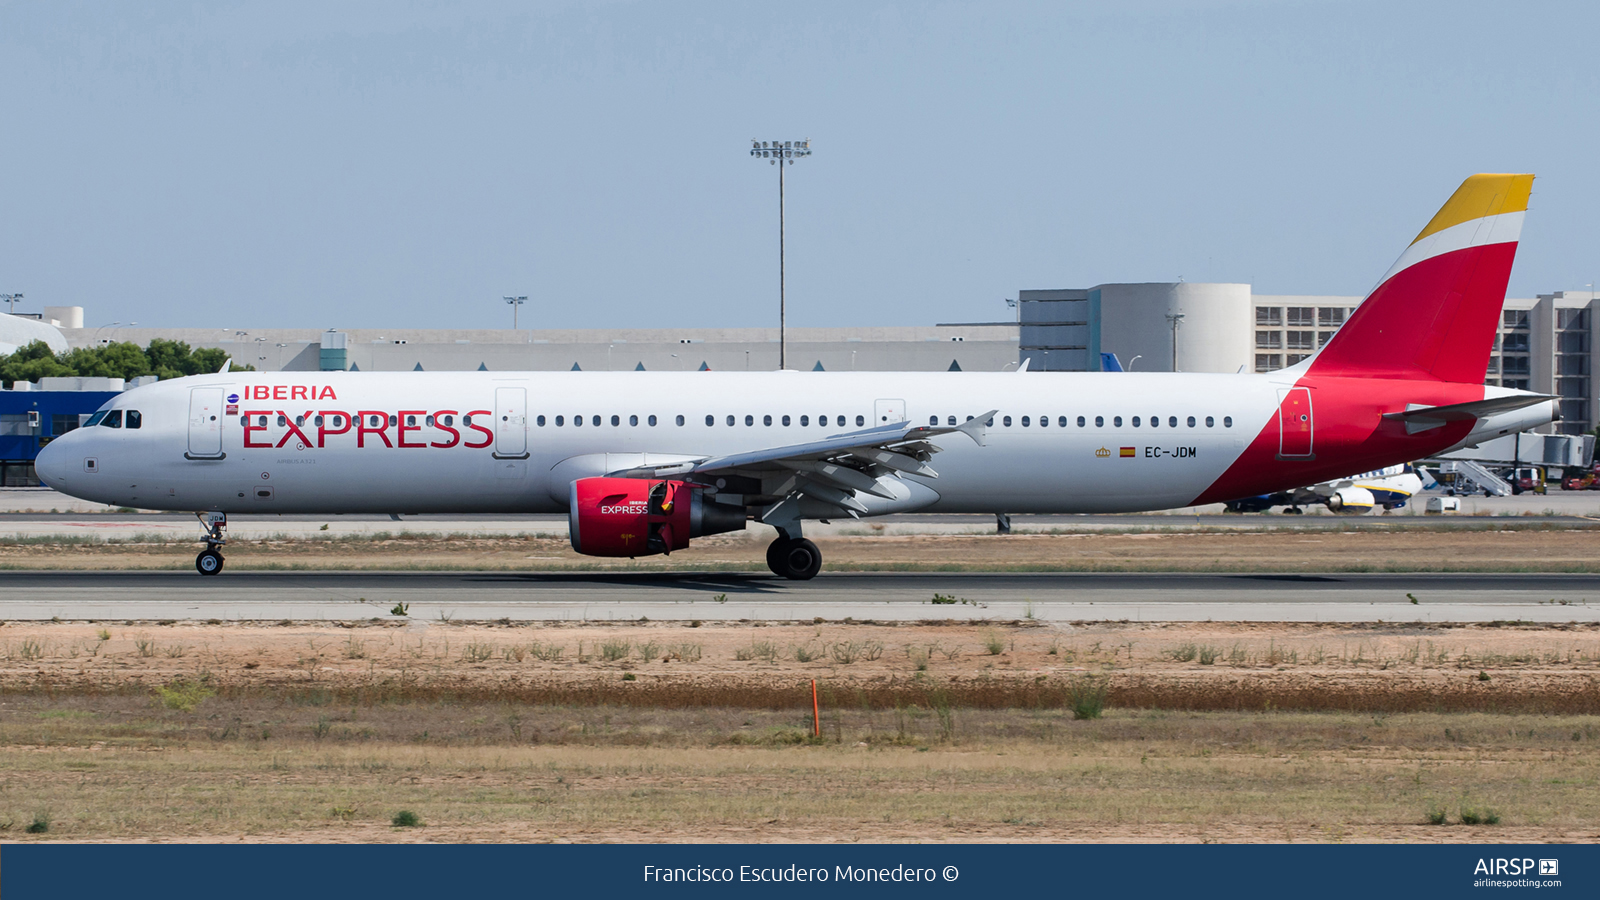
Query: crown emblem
{"x":1102,"y":453}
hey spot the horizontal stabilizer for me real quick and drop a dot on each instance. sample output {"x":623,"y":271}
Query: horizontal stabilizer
{"x":1423,"y":418}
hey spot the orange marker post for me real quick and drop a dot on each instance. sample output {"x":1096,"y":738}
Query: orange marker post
{"x":816,"y":712}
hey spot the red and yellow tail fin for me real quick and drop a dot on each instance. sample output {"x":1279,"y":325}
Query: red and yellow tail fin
{"x":1434,"y":315}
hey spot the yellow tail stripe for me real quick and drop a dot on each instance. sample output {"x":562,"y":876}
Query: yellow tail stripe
{"x":1479,"y":196}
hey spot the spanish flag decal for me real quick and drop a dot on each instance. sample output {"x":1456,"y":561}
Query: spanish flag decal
{"x":1127,"y":452}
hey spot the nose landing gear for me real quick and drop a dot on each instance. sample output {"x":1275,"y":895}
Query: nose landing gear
{"x":209,"y":562}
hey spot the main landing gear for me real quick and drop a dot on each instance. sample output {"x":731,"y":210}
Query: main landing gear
{"x":794,"y":558}
{"x":209,"y":562}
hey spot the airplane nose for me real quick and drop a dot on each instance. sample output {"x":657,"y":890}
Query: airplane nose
{"x":50,"y":465}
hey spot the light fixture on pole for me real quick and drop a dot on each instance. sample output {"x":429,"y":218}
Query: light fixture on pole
{"x":516,"y":303}
{"x":11,"y":299}
{"x":781,"y":154}
{"x":1173,"y":319}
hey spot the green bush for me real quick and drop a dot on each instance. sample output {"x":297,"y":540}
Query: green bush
{"x":1087,"y":698}
{"x":183,"y":695}
{"x":405,"y":818}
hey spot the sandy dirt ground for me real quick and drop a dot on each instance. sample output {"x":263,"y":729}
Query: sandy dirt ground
{"x":294,"y":731}
{"x":755,"y":664}
{"x":1496,"y":549}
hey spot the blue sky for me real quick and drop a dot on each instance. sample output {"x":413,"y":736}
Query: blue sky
{"x":394,"y":164}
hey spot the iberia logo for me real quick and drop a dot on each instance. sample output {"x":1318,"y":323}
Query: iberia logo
{"x":1127,"y":452}
{"x":1103,"y":453}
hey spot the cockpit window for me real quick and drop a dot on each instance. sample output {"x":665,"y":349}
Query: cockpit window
{"x":132,"y":419}
{"x":113,"y":419}
{"x":95,"y":419}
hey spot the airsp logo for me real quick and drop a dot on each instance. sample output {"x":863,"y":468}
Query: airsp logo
{"x":1501,"y":866}
{"x":1549,"y":867}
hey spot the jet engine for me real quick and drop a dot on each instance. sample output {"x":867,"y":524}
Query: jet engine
{"x":643,"y":516}
{"x":1351,"y":501}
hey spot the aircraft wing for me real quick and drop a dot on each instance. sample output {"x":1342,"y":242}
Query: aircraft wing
{"x":832,"y":470}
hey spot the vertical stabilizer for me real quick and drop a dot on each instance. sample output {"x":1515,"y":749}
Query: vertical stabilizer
{"x":1433,"y":316}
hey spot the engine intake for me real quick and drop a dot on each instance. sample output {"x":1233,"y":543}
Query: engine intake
{"x":642,"y":516}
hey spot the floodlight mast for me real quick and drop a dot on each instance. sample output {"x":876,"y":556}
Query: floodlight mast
{"x":781,"y":154}
{"x":11,"y":299}
{"x":516,"y":304}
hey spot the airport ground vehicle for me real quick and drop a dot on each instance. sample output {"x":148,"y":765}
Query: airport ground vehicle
{"x":643,"y":462}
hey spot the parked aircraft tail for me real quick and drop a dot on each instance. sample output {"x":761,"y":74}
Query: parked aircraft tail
{"x":1433,"y":316}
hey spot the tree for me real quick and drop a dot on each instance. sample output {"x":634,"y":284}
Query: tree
{"x":126,"y":360}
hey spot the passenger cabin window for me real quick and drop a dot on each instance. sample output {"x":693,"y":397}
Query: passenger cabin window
{"x":730,"y":420}
{"x":539,"y":420}
{"x":1099,"y":421}
{"x":560,"y":420}
{"x":1116,"y":421}
{"x":786,"y":421}
{"x":1135,"y":421}
{"x":392,"y":421}
{"x":680,"y":420}
{"x":113,"y":419}
{"x":261,"y":421}
{"x":1080,"y":421}
{"x":617,"y":420}
{"x":652,"y":421}
{"x":282,"y":421}
{"x":749,"y":420}
{"x":596,"y":421}
{"x":132,"y":419}
{"x":1227,"y":421}
{"x":804,"y":421}
{"x":1172,"y":421}
{"x":577,"y":421}
{"x":766,"y":420}
{"x":448,"y":420}
{"x":467,"y":420}
{"x":1191,"y":421}
{"x":411,"y":421}
{"x":861,"y":420}
{"x":710,"y":421}
{"x":1210,"y":422}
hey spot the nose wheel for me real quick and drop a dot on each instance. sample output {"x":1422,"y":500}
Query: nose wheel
{"x":797,"y":560}
{"x":209,"y":562}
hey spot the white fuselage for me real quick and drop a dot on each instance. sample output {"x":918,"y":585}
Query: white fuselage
{"x":1099,"y":460}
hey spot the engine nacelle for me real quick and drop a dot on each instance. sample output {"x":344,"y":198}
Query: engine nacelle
{"x":643,"y":516}
{"x":1351,"y":501}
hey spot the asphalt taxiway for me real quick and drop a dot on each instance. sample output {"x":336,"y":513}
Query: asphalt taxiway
{"x":1049,"y":597}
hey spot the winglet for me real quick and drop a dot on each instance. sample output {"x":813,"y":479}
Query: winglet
{"x":977,"y":428}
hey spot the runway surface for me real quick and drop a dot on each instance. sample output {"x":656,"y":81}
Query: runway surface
{"x":474,"y":596}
